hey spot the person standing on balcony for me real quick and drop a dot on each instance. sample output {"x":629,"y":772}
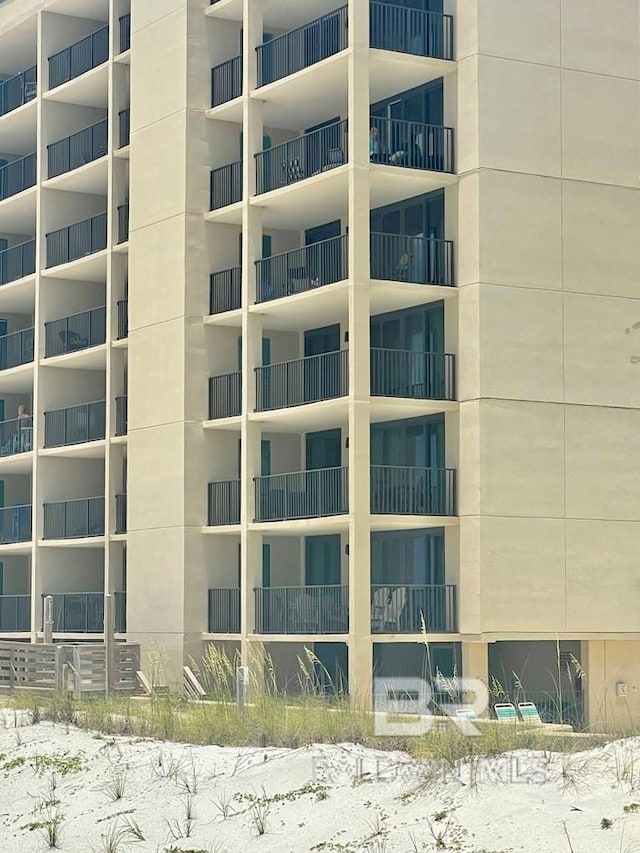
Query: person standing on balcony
{"x":25,"y":425}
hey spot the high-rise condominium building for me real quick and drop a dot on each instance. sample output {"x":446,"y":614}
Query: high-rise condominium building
{"x":321,"y":328}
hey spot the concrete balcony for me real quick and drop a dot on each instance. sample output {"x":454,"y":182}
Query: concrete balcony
{"x":224,"y":611}
{"x":121,"y":513}
{"x":16,"y":349}
{"x":225,"y":290}
{"x":15,"y":614}
{"x":303,"y":269}
{"x":83,"y":612}
{"x":302,"y":380}
{"x":74,"y":425}
{"x":17,"y":262}
{"x":77,"y":332}
{"x":74,"y":519}
{"x":412,"y":375}
{"x":77,"y":241}
{"x":15,"y":524}
{"x":78,"y":58}
{"x":18,"y":90}
{"x":404,"y":609}
{"x":77,"y":150}
{"x":121,"y":414}
{"x":223,"y":503}
{"x":225,"y":395}
{"x":302,"y":494}
{"x":408,"y":490}
{"x":17,"y":176}
{"x":321,"y":609}
{"x":16,"y":436}
{"x":226,"y":81}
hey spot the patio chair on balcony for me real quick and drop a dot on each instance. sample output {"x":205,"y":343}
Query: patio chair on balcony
{"x":303,"y":615}
{"x":72,"y":341}
{"x":387,"y":608}
{"x":293,"y":171}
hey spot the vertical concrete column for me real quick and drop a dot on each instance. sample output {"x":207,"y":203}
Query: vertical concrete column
{"x":359,"y":640}
{"x":594,"y":688}
{"x":475,"y":661}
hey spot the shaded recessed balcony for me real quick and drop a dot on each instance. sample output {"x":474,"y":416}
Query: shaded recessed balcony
{"x":410,"y":490}
{"x":225,"y":395}
{"x":321,"y":609}
{"x":302,"y":269}
{"x":15,"y":613}
{"x":77,"y":241}
{"x":77,"y":150}
{"x":302,"y":157}
{"x":17,"y":261}
{"x":226,"y":185}
{"x":125,"y":32}
{"x":16,"y":436}
{"x":123,"y":223}
{"x":74,"y":333}
{"x":75,"y":424}
{"x":74,"y":519}
{"x":223,"y":502}
{"x":226,"y":81}
{"x":302,"y":380}
{"x":83,"y":612}
{"x":16,"y":349}
{"x":17,"y":90}
{"x":414,"y":260}
{"x":225,"y":290}
{"x":121,"y":513}
{"x":18,"y":175}
{"x":302,"y":494}
{"x":121,"y":414}
{"x":15,"y":524}
{"x":405,"y":608}
{"x":123,"y":318}
{"x":79,"y":57}
{"x":224,"y":611}
{"x":412,"y":144}
{"x":413,"y":31}
{"x":413,"y":375}
{"x":124,"y":127}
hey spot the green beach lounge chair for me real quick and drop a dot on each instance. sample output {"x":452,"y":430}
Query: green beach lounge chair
{"x":529,"y":713}
{"x":505,"y":712}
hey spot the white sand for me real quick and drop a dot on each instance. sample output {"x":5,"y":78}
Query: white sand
{"x":375,"y":801}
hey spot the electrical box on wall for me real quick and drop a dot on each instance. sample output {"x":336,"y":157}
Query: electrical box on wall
{"x":622,"y":688}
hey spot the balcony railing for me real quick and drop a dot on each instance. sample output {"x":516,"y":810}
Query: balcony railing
{"x":17,"y":90}
{"x":300,"y":158}
{"x":224,"y":611}
{"x":16,"y":349}
{"x":226,"y":81}
{"x":16,"y":436}
{"x":224,"y":502}
{"x":302,"y":610}
{"x":123,"y":319}
{"x":74,"y":425}
{"x":78,"y":332}
{"x":121,"y":415}
{"x":417,"y":375}
{"x":411,"y":30}
{"x":124,"y":127}
{"x":225,"y":290}
{"x":74,"y":519}
{"x":226,"y":185}
{"x":17,"y":261}
{"x":18,"y":175}
{"x":121,"y":513}
{"x":225,"y":395}
{"x":15,"y":524}
{"x":15,"y":613}
{"x":77,"y":240}
{"x":302,"y":269}
{"x":83,"y":612}
{"x":403,"y":608}
{"x":304,"y":380}
{"x":123,"y":223}
{"x":413,"y":144}
{"x":77,"y":150}
{"x":404,"y":490}
{"x":302,"y":494}
{"x":78,"y":58}
{"x":302,"y":47}
{"x":125,"y":33}
{"x":415,"y":260}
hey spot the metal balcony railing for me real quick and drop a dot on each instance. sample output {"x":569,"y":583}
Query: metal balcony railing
{"x":78,"y":58}
{"x":226,"y":185}
{"x":406,"y":490}
{"x":15,"y":524}
{"x":409,"y":30}
{"x":16,"y":436}
{"x":302,"y":610}
{"x":226,"y":81}
{"x":124,"y":127}
{"x":302,"y":47}
{"x":17,"y":90}
{"x":123,"y":319}
{"x":225,"y":290}
{"x":402,"y":608}
{"x":74,"y":519}
{"x":15,"y":613}
{"x":224,"y":611}
{"x":225,"y":395}
{"x":77,"y":150}
{"x":224,"y":502}
{"x":121,"y":513}
{"x":83,"y":612}
{"x":75,"y":424}
{"x":302,"y":269}
{"x":77,"y":240}
{"x":77,"y":332}
{"x":18,"y":175}
{"x":123,"y":223}
{"x":415,"y":260}
{"x":16,"y":349}
{"x":302,"y":157}
{"x":417,"y":375}
{"x":302,"y":494}
{"x":125,"y":33}
{"x":121,"y":415}
{"x":303,"y":380}
{"x":17,"y":261}
{"x":413,"y":144}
